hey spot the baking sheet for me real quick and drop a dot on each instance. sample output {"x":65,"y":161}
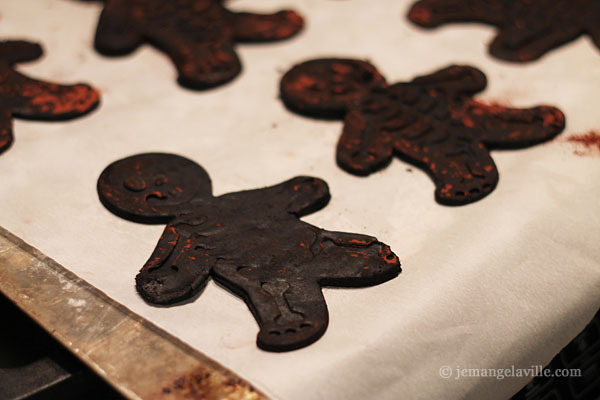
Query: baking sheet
{"x":138,"y":359}
{"x":506,"y":281}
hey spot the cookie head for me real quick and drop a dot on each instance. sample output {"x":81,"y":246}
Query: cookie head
{"x":152,"y":187}
{"x":327,"y":87}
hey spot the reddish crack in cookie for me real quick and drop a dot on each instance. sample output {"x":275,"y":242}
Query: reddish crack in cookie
{"x":527,"y":29}
{"x":252,"y":242}
{"x":28,"y":98}
{"x":198,"y":35}
{"x":431,"y":121}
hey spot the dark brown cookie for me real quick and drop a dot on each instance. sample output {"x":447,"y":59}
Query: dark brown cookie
{"x":432,"y":122}
{"x":198,"y":35}
{"x":527,"y":29}
{"x":24,"y":97}
{"x":252,"y":242}
{"x":324,"y":88}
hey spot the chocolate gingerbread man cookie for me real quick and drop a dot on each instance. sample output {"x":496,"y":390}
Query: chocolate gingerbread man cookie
{"x":198,"y":35}
{"x":24,"y":97}
{"x":252,"y":242}
{"x":431,"y":121}
{"x":527,"y":29}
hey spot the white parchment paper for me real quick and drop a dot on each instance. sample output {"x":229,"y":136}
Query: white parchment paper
{"x":505,"y":281}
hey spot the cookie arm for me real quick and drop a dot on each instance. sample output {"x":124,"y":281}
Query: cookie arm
{"x":35,"y":99}
{"x":353,"y":260}
{"x":300,"y":196}
{"x":114,"y":35}
{"x":503,"y":127}
{"x":250,"y":27}
{"x":176,"y":270}
{"x":6,"y":137}
{"x":17,"y":51}
{"x":455,"y":79}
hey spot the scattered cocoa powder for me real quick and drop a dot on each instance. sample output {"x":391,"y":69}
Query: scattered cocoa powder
{"x":586,"y":143}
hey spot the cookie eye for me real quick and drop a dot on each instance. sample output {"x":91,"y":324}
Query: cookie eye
{"x":134,"y":183}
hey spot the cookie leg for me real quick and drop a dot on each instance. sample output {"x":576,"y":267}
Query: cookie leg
{"x":201,"y":64}
{"x":462,"y":175}
{"x":302,"y":318}
{"x":115,"y":37}
{"x":291,"y":312}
